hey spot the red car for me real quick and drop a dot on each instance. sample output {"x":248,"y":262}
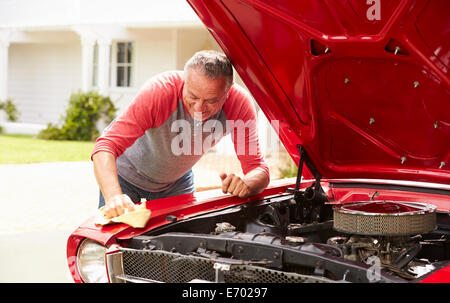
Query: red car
{"x":361,"y":92}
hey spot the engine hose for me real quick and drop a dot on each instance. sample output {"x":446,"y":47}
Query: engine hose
{"x":407,"y":255}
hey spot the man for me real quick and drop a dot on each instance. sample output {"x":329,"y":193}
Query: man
{"x":143,"y":153}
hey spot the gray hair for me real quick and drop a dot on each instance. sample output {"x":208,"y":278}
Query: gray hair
{"x":212,"y":63}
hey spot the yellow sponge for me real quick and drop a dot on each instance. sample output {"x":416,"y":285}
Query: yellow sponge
{"x":136,"y":218}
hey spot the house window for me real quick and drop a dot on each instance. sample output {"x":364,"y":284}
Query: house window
{"x":124,"y":64}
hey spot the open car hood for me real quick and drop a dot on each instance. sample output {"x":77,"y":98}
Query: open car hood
{"x":363,"y":86}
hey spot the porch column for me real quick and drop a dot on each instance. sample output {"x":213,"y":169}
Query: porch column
{"x":87,"y":63}
{"x":104,"y":50}
{"x":262,"y":132}
{"x":4,"y":45}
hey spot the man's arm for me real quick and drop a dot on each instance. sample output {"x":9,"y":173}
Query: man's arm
{"x":241,"y":111}
{"x":254,"y":182}
{"x":105,"y":171}
{"x":149,"y":109}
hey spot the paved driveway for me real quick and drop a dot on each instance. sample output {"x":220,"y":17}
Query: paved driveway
{"x":41,"y":204}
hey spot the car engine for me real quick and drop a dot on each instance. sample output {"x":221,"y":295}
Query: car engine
{"x":295,"y":237}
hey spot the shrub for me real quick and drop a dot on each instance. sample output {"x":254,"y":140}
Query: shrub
{"x":84,"y":110}
{"x":10,"y":109}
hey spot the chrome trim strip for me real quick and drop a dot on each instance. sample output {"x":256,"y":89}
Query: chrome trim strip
{"x":126,"y":278}
{"x":422,"y":208}
{"x":114,"y":265}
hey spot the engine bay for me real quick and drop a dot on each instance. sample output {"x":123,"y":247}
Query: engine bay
{"x":300,"y":236}
{"x":292,"y":233}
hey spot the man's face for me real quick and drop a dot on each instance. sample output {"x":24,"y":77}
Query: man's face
{"x":202,"y":96}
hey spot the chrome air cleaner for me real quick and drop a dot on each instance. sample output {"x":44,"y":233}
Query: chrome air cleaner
{"x":384,"y":218}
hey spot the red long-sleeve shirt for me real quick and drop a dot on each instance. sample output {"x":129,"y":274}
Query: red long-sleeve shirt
{"x":156,"y":141}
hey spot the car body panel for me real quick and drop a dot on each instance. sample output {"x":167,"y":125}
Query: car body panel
{"x":185,"y":206}
{"x":360,"y":109}
{"x":367,"y":96}
{"x":181,"y":207}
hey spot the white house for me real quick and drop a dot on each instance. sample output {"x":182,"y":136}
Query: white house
{"x":51,"y":48}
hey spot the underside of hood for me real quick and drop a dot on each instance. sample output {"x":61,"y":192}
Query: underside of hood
{"x":362,"y":86}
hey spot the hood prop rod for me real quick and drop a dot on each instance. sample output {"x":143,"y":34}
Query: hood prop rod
{"x":300,"y":169}
{"x":309,"y":202}
{"x":304,"y":158}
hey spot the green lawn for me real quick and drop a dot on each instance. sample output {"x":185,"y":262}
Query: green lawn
{"x":15,"y":149}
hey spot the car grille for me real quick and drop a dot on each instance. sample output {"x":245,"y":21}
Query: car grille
{"x":168,"y":267}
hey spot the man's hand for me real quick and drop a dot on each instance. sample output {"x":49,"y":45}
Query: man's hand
{"x":253,"y":183}
{"x":105,"y":170}
{"x":234,"y":185}
{"x":117,"y":204}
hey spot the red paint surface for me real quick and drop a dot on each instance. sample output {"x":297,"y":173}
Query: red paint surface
{"x":361,"y":109}
{"x":332,"y":79}
{"x":190,"y":205}
{"x":441,"y":276}
{"x":180,"y":206}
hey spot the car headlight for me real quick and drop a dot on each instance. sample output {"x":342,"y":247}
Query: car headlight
{"x":91,"y":262}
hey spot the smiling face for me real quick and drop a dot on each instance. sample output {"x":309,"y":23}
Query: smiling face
{"x":203,"y":96}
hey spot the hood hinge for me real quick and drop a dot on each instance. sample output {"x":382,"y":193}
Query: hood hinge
{"x":310,"y":201}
